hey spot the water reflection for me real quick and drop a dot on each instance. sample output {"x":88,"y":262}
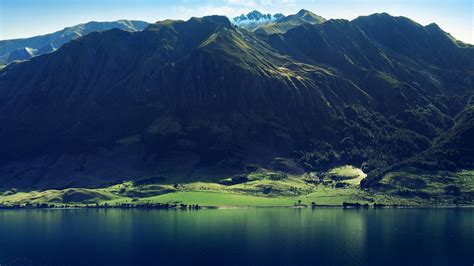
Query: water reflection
{"x":237,"y":236}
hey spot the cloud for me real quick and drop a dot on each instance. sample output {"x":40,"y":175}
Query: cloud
{"x":243,"y":3}
{"x":207,"y":10}
{"x":277,"y":2}
{"x":232,"y":8}
{"x":260,"y":3}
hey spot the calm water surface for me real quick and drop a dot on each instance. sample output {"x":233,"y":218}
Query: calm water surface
{"x":237,"y":237}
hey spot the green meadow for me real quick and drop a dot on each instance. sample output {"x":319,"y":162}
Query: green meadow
{"x":271,"y":189}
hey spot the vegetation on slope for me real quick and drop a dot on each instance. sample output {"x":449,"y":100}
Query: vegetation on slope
{"x":204,"y":98}
{"x":409,"y":186}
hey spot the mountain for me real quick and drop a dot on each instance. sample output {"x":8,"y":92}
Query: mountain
{"x":24,"y":49}
{"x":21,"y":54}
{"x":205,"y":97}
{"x":255,"y":17}
{"x":303,"y":16}
{"x":407,"y":37}
{"x":277,"y":23}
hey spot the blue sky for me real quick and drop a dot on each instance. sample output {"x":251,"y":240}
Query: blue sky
{"x":24,"y":18}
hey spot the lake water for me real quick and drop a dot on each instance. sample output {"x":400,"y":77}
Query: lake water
{"x":237,"y":237}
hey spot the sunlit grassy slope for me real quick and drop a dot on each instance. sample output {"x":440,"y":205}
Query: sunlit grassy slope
{"x":263,"y":188}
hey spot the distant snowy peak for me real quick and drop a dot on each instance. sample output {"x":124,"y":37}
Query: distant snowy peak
{"x":276,"y":23}
{"x":24,"y":49}
{"x":256,"y":17}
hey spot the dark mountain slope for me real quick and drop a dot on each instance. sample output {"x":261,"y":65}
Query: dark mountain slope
{"x":200,"y":86}
{"x":415,"y":41}
{"x":417,"y":101}
{"x":341,"y":44}
{"x":454,"y":149}
{"x":187,"y":96}
{"x":451,"y":150}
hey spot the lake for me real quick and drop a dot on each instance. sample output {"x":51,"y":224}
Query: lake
{"x":266,"y":236}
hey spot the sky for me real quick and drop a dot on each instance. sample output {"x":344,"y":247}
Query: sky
{"x":26,"y":18}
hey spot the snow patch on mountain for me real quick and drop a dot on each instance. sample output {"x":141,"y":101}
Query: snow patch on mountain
{"x":256,"y":17}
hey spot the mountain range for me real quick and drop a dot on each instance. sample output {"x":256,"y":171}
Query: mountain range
{"x":24,"y":49}
{"x":276,"y":23}
{"x":211,"y":96}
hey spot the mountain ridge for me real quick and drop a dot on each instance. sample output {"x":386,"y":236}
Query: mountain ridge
{"x":268,"y":23}
{"x":50,"y":42}
{"x":222,"y":97}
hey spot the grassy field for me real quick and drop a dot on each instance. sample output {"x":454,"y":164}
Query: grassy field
{"x":221,"y":199}
{"x":264,"y":188}
{"x":347,"y":174}
{"x":434,"y":187}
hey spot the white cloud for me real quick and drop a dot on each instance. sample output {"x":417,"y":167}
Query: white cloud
{"x":212,"y":10}
{"x":243,"y":3}
{"x":232,"y":8}
{"x":277,"y":2}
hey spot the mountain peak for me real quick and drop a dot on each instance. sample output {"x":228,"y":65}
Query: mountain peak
{"x":220,"y":20}
{"x":305,"y":16}
{"x":387,"y":18}
{"x":277,"y":23}
{"x":255,"y":14}
{"x":255,"y":17}
{"x":433,"y":26}
{"x":303,"y":12}
{"x":211,"y":22}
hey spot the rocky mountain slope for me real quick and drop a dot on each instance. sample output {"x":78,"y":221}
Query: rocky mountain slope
{"x":24,"y":49}
{"x":204,"y":97}
{"x":255,"y":17}
{"x":277,"y":23}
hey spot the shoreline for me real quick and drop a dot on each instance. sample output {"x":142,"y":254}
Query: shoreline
{"x":197,"y":207}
